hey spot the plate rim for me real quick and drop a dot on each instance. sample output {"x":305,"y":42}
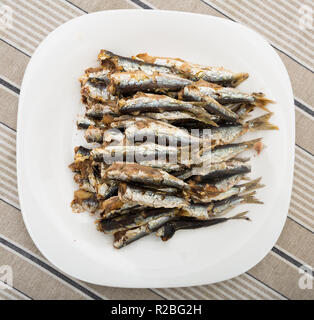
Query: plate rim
{"x":19,"y":140}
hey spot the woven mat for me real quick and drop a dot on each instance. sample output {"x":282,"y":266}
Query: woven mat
{"x":286,"y":24}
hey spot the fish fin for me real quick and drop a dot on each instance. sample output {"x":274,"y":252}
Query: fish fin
{"x":241,"y":216}
{"x":249,"y":198}
{"x":251,"y":143}
{"x":261,"y":101}
{"x":261,"y":123}
{"x":238,"y":78}
{"x":252,"y":185}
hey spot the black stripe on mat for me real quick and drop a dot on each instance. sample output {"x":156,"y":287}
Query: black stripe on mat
{"x":141,"y":4}
{"x":49,"y":268}
{"x":267,"y":286}
{"x":11,"y":45}
{"x":23,"y":293}
{"x":270,"y":44}
{"x":9,"y":86}
{"x":303,"y":107}
{"x":288,"y":258}
{"x":74,"y":5}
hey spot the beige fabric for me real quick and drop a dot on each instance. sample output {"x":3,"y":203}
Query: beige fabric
{"x":277,"y":275}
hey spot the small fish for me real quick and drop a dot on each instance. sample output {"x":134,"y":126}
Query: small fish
{"x":210,"y":171}
{"x":94,"y":134}
{"x":132,"y":220}
{"x":123,"y":238}
{"x":81,"y":154}
{"x":113,"y":207}
{"x":84,"y":123}
{"x":223,"y":206}
{"x":98,"y":110}
{"x":217,"y":208}
{"x":132,"y":153}
{"x":129,"y":64}
{"x":236,"y":190}
{"x":96,"y":75}
{"x":193,"y":93}
{"x":131,"y":82}
{"x":230,"y":95}
{"x":226,"y":134}
{"x":136,"y":173}
{"x":228,"y":151}
{"x":106,"y":190}
{"x":142,"y":102}
{"x":197,"y":72}
{"x":165,"y":133}
{"x":150,"y":198}
{"x":84,"y":201}
{"x":97,"y":92}
{"x":167,"y":231}
{"x":216,"y":185}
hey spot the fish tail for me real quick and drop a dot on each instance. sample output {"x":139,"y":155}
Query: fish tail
{"x":261,"y":123}
{"x":241,"y":216}
{"x":252,"y":185}
{"x":261,"y":101}
{"x":238,"y":78}
{"x":249,"y":198}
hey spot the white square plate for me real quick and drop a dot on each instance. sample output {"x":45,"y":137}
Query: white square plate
{"x":48,"y":108}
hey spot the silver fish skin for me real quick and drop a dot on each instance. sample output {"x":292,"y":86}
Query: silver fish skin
{"x":150,"y":198}
{"x":216,"y":170}
{"x":123,"y":238}
{"x":132,"y":153}
{"x":142,"y":102}
{"x":128,"y":82}
{"x":236,"y":190}
{"x":83,"y":122}
{"x":136,"y":173}
{"x":217,"y":208}
{"x":98,"y":111}
{"x":226,"y":152}
{"x":128,"y":64}
{"x":94,"y":135}
{"x":132,"y":220}
{"x":197,"y":72}
{"x":98,"y":75}
{"x":96,"y":92}
{"x":194,"y":93}
{"x":113,"y":207}
{"x":164,"y":132}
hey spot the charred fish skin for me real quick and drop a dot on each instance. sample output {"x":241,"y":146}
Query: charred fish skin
{"x":136,"y":173}
{"x":167,"y":231}
{"x":216,"y":170}
{"x":84,"y":123}
{"x":142,"y":102}
{"x":131,"y":82}
{"x":197,"y":72}
{"x":150,"y":198}
{"x":128,"y":64}
{"x":132,"y":220}
{"x":123,"y":238}
{"x":193,"y":93}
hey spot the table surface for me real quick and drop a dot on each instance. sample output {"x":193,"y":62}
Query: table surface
{"x":286,"y":24}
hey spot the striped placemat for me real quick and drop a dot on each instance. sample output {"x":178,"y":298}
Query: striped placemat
{"x":287,"y":25}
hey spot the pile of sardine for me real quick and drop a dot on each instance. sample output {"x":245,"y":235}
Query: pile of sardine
{"x":162,"y":154}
